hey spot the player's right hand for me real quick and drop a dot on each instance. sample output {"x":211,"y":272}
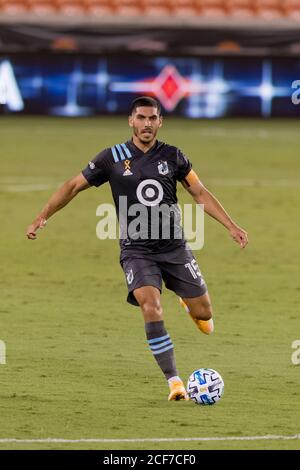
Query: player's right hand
{"x":39,"y":223}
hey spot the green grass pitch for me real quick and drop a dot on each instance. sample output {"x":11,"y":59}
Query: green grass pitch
{"x":78,"y":366}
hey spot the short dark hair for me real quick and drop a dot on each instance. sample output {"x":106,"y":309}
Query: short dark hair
{"x":145,"y":101}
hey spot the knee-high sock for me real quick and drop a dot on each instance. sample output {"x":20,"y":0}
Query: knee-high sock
{"x":161,"y":347}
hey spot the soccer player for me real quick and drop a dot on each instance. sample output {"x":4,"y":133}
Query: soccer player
{"x":146,"y":172}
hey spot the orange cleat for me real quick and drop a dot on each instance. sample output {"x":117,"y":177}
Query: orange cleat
{"x":177,"y":391}
{"x":206,"y":326}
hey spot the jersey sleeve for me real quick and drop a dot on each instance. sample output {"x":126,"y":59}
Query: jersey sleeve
{"x":97,"y":171}
{"x":184,"y":166}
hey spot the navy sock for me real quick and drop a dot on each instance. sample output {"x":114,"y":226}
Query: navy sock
{"x":161,"y":347}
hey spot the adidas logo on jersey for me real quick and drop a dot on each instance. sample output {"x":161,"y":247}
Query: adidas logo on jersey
{"x":127,"y":173}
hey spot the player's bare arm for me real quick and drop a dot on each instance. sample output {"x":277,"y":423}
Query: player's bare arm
{"x":213,"y":207}
{"x":57,"y":201}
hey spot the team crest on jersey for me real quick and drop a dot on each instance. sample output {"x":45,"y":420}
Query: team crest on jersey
{"x":127,"y":171}
{"x":129,"y":276}
{"x":163,"y":168}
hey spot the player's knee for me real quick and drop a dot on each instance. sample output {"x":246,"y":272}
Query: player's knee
{"x":152,"y":310}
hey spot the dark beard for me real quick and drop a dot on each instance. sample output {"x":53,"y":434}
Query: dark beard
{"x":140,"y":137}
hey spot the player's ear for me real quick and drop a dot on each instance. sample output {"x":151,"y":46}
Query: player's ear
{"x":160,"y":121}
{"x":130,"y":120}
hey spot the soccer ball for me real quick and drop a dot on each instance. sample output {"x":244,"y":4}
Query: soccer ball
{"x":205,"y":387}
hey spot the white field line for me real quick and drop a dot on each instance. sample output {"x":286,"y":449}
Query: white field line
{"x":280,"y":182}
{"x":268,"y":437}
{"x":25,"y":188}
{"x":228,"y":182}
{"x":251,"y":134}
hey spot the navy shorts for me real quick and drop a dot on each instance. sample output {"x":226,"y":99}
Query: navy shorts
{"x":177,"y":268}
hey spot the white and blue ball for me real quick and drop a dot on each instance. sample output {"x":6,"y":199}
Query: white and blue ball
{"x":205,"y":386}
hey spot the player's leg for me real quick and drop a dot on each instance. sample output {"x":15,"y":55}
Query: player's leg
{"x":182,"y":275}
{"x":200,"y":310}
{"x":148,"y":298}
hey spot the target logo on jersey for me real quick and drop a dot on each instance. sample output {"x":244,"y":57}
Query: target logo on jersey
{"x":150,"y":192}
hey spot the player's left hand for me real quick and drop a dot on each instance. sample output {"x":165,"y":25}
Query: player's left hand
{"x":239,"y":235}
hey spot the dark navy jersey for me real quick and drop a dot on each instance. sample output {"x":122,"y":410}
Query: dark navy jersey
{"x":143,"y":179}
